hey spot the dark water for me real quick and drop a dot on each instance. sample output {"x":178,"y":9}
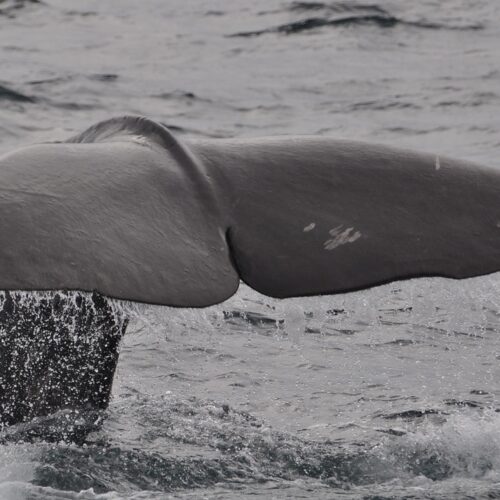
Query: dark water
{"x":388,"y":393}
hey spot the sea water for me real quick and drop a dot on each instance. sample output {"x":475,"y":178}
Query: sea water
{"x":387,"y":393}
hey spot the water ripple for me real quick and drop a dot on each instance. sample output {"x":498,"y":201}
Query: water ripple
{"x":7,"y":94}
{"x":342,"y":14}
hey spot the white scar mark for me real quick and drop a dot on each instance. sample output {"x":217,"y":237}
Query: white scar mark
{"x":438,"y":163}
{"x":341,"y":236}
{"x":310,"y":227}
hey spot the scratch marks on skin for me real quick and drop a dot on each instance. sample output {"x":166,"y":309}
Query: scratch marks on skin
{"x":14,"y":192}
{"x":341,"y":236}
{"x":310,"y":227}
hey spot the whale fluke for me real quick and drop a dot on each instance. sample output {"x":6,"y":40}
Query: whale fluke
{"x":123,"y":209}
{"x":313,"y":215}
{"x":128,"y":210}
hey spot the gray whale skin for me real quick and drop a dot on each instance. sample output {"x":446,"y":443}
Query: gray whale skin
{"x":127,"y":210}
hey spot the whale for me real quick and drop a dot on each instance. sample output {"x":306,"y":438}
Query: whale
{"x":127,"y":210}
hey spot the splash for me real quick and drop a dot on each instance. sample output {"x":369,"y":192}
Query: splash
{"x":59,"y":352}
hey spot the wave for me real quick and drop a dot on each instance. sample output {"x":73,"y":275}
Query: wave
{"x":334,"y":6}
{"x":174,"y":444}
{"x":103,"y":77}
{"x":9,"y":7}
{"x":7,"y":94}
{"x":346,"y":15}
{"x":381,"y":21}
{"x":70,"y":426}
{"x":382,"y":105}
{"x":60,"y":80}
{"x":181,"y":95}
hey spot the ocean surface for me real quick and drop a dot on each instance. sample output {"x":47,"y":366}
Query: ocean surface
{"x":388,"y":393}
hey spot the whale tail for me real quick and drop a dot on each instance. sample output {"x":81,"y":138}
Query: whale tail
{"x":128,"y":210}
